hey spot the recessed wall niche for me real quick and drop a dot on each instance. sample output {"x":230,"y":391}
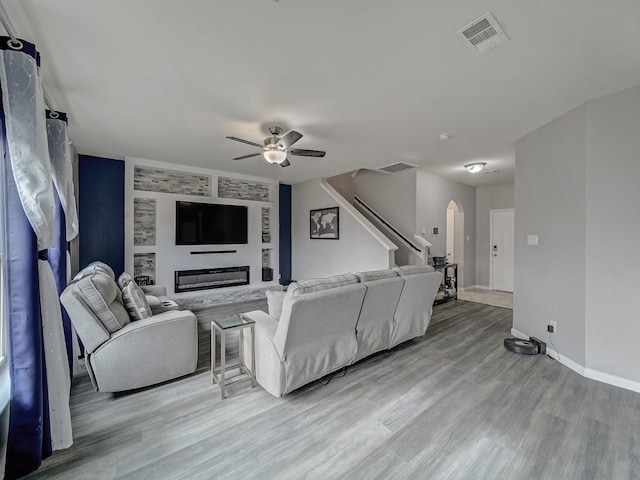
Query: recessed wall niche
{"x":144,"y":268}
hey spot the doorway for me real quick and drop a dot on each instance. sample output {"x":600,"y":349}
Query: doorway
{"x":454,"y":252}
{"x":501,"y":246}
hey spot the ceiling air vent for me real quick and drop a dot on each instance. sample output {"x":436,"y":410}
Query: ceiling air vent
{"x":483,"y":34}
{"x":396,"y":167}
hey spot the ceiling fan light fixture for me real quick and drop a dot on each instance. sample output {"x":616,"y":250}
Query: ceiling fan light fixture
{"x":275,"y":157}
{"x":475,"y":167}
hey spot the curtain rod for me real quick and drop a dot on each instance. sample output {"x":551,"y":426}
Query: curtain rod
{"x":4,"y":18}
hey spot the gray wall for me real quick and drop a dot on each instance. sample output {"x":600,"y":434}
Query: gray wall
{"x":393,"y":196}
{"x":344,"y":185}
{"x":550,"y":202}
{"x":577,"y":187}
{"x":356,"y":250}
{"x":613,"y":235}
{"x":491,"y":197}
{"x":433,"y":194}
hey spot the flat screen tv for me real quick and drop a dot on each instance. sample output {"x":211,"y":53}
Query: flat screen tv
{"x":210,"y":224}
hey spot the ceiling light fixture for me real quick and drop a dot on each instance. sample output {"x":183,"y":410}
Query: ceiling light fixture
{"x":475,"y":167}
{"x":275,"y":157}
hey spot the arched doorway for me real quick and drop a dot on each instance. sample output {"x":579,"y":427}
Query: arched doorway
{"x":455,"y":238}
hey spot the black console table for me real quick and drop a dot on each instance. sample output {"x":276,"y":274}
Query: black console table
{"x":449,"y":288}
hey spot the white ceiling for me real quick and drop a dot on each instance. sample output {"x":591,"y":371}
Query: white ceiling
{"x":371,"y":82}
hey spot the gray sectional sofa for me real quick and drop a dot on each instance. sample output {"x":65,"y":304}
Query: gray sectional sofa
{"x":321,"y":325}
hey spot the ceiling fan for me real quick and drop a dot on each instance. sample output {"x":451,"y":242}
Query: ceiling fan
{"x":276,"y":149}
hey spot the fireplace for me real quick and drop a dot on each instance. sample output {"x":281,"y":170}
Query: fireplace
{"x":203,"y":279}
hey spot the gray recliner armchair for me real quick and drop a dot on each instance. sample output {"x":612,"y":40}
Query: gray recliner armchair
{"x":122,"y":354}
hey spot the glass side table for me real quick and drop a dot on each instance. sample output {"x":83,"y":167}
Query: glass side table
{"x":224,"y":325}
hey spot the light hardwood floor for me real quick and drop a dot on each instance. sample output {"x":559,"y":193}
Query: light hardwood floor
{"x":451,"y":405}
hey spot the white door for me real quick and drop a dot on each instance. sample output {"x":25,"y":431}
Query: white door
{"x":502,"y":228}
{"x":451,"y":221}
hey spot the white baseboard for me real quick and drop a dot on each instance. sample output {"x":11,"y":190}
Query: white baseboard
{"x":612,"y":380}
{"x":519,"y":334}
{"x":603,"y":377}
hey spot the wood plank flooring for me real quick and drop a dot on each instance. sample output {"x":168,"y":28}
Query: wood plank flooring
{"x":451,"y":405}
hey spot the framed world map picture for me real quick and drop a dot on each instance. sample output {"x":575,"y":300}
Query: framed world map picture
{"x":324,"y":224}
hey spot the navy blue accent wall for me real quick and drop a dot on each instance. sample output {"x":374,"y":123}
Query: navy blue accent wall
{"x":101,"y":211}
{"x":285,"y":234}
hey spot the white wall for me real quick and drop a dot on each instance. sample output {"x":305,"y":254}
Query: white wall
{"x":356,"y":250}
{"x":171,"y":257}
{"x":613,"y":235}
{"x":433,"y":194}
{"x":491,"y":197}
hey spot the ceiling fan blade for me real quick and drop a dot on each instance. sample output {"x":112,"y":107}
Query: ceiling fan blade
{"x":290,"y":138}
{"x":307,"y":153}
{"x":247,"y":156}
{"x":286,"y":163}
{"x":245,"y":141}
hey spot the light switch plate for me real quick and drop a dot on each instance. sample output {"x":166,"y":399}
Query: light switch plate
{"x":532,"y":239}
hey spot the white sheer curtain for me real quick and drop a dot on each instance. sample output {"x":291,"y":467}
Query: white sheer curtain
{"x":60,"y":155}
{"x":24,"y":111}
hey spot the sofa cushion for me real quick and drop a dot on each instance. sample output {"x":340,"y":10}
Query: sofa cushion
{"x":413,"y":269}
{"x":134,"y":298}
{"x":275,"y":299}
{"x":376,"y":275}
{"x":318,"y":284}
{"x":101,"y":294}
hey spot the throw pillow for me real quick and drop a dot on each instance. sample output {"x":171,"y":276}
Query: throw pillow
{"x":275,"y":299}
{"x":124,"y":279}
{"x":134,"y":298}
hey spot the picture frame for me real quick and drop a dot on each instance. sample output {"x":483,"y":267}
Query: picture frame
{"x":324,"y":224}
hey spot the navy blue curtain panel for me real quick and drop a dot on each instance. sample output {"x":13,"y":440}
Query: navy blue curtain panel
{"x":29,"y":440}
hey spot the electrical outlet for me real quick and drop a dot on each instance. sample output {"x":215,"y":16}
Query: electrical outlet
{"x":552,"y":327}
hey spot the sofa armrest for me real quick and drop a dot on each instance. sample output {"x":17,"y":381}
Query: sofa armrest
{"x":147,"y":351}
{"x":155,"y":290}
{"x":265,"y":322}
{"x":270,"y":370}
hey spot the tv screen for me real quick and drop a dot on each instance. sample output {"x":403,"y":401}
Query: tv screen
{"x":210,"y":224}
